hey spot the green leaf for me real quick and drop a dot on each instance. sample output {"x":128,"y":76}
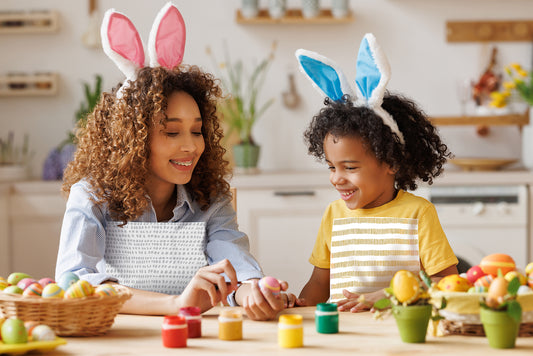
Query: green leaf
{"x":382,"y":303}
{"x":513,"y":286}
{"x":514,"y":310}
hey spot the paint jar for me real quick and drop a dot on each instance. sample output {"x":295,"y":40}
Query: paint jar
{"x":327,"y":318}
{"x":174,"y":331}
{"x":230,"y":324}
{"x":194,"y":321}
{"x":290,"y":331}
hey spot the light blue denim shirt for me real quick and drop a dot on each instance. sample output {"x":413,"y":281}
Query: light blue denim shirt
{"x":83,"y":235}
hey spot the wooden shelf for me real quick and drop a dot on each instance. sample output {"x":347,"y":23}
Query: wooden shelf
{"x":489,"y":31}
{"x":29,"y":85}
{"x":498,"y":120}
{"x":29,"y":22}
{"x":293,"y":16}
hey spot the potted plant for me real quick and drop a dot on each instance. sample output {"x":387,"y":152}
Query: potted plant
{"x":60,"y":156}
{"x":241,"y":108}
{"x":501,"y":313}
{"x":408,"y":298}
{"x":14,"y":158}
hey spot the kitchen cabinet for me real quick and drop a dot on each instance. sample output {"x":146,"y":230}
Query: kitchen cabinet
{"x":293,"y":16}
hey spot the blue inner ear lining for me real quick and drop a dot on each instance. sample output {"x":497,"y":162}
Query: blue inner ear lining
{"x":367,"y":73}
{"x":324,"y":76}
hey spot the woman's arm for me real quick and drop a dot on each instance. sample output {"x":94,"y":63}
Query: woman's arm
{"x":317,"y":288}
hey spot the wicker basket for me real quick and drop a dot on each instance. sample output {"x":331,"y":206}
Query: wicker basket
{"x":450,"y":327}
{"x":88,"y":316}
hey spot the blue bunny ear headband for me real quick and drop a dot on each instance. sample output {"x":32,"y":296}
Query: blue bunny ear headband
{"x":372,"y":75}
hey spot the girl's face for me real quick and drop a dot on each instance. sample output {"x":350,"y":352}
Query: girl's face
{"x":362,"y":181}
{"x":176,"y":148}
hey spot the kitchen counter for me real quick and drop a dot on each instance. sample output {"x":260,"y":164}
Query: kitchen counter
{"x":359,"y":335}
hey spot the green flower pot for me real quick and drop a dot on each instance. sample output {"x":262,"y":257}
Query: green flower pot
{"x":501,"y":330}
{"x":412,"y":322}
{"x":245,"y":155}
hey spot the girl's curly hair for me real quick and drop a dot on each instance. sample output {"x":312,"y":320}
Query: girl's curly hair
{"x":421,"y":157}
{"x":113,"y":148}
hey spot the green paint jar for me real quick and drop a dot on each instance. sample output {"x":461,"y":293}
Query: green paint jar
{"x":327,"y":318}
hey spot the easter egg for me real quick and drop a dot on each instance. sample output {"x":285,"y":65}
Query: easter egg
{"x":529,"y":268}
{"x":454,"y":283}
{"x":474,"y":273}
{"x":25,"y":282}
{"x":105,"y":290}
{"x":14,"y":332}
{"x":46,"y":281}
{"x":33,"y":290}
{"x":484,"y":281}
{"x":3,"y":283}
{"x":67,"y":279}
{"x":496,"y":292}
{"x":497,"y":261}
{"x":524,"y":290}
{"x":269,"y":284}
{"x":13,"y":290}
{"x":405,"y":286}
{"x":530,"y":280}
{"x":477,"y":289}
{"x":515,"y":274}
{"x":80,"y":289}
{"x":52,"y":290}
{"x":30,"y":325}
{"x":16,"y":277}
{"x":43,"y":333}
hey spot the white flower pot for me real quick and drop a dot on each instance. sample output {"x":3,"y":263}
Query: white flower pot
{"x":13,"y":172}
{"x":277,"y":8}
{"x":339,"y":8}
{"x":250,"y":8}
{"x":310,"y":8}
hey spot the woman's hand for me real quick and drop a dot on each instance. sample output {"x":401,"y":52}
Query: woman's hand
{"x":359,"y":302}
{"x":208,"y":287}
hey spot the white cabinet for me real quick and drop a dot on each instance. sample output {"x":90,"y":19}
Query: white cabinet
{"x":281,"y":214}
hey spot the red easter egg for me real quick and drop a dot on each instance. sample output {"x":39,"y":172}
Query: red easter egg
{"x":497,"y":261}
{"x":474,"y":273}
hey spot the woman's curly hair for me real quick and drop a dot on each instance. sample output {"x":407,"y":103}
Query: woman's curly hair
{"x":421,"y":157}
{"x":113,"y":148}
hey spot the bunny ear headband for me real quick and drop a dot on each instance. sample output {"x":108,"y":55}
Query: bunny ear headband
{"x":122,"y":43}
{"x":372,"y":75}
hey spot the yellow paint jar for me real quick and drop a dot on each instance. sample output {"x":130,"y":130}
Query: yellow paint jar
{"x":230,"y":324}
{"x":290,"y":331}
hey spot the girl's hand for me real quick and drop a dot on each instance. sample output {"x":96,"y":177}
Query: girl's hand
{"x":359,"y":302}
{"x":208,"y":287}
{"x":259,"y":306}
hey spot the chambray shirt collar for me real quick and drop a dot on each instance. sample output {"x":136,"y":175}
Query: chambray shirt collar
{"x":183,"y":205}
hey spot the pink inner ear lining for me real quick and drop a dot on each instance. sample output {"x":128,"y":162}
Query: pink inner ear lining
{"x":170,"y":39}
{"x":124,"y":39}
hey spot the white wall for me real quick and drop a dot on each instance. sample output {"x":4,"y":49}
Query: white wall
{"x":412,"y":33}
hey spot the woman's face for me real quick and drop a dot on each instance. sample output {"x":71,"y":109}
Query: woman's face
{"x":362,"y":181}
{"x":176,"y":148}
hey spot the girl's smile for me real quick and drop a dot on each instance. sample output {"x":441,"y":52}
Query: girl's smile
{"x":361,"y":180}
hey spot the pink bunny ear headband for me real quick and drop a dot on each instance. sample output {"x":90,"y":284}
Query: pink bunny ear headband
{"x":372,"y":75}
{"x":122,"y":43}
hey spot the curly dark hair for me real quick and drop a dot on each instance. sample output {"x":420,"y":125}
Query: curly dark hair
{"x":421,"y":157}
{"x":113,"y":148}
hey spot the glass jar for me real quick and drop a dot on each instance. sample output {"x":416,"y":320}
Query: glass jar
{"x":230,"y":324}
{"x":327,"y":318}
{"x":174,"y":331}
{"x":194,"y":321}
{"x":290,"y":331}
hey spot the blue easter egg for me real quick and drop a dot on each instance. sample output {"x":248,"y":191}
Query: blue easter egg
{"x":67,"y":279}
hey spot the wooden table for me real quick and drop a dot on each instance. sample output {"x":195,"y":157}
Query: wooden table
{"x":359,"y":335}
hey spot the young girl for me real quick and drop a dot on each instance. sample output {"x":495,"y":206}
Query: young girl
{"x":376,"y":147}
{"x":148,"y":205}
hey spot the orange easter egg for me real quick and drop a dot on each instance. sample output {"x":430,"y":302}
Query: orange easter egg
{"x":497,"y":261}
{"x":530,"y":280}
{"x":484,"y":281}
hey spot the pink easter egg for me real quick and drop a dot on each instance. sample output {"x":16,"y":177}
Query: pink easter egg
{"x":271,"y":284}
{"x":25,"y":282}
{"x":46,"y":281}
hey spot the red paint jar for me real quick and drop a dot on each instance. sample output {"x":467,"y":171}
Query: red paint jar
{"x":174,"y":331}
{"x":194,"y":320}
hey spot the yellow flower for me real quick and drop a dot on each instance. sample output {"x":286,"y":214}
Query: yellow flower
{"x":516,"y":66}
{"x":509,"y":85}
{"x":522,"y":73}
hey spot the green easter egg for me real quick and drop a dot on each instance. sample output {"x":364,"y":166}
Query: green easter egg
{"x":16,"y":277}
{"x":14,"y":332}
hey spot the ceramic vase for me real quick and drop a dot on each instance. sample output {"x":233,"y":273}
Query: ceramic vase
{"x":412,"y":322}
{"x":310,"y":8}
{"x":250,"y":8}
{"x":339,"y":8}
{"x":501,"y":330}
{"x":246,"y":157}
{"x":277,"y":8}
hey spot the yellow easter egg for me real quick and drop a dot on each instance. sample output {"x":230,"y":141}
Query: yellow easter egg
{"x":521,"y":278}
{"x":105,"y":290}
{"x":529,"y":268}
{"x":454,"y":283}
{"x":3,"y":283}
{"x":80,"y":289}
{"x":405,"y":286}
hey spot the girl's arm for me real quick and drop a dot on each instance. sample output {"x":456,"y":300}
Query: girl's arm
{"x":317,"y":288}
